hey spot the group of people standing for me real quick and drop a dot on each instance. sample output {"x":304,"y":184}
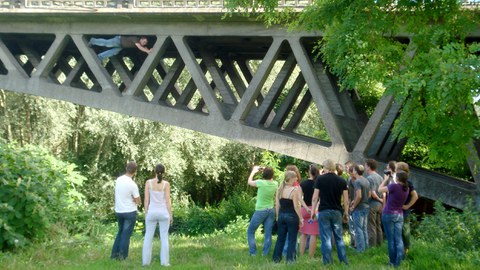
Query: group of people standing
{"x":377,"y":201}
{"x":320,"y":204}
{"x":158,"y":210}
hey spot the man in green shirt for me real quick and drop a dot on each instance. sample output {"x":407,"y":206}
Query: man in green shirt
{"x":264,"y":209}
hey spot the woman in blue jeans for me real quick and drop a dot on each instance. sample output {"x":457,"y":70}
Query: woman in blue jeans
{"x":392,"y":216}
{"x":289,"y":217}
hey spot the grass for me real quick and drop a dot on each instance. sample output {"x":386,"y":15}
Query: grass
{"x":216,"y":251}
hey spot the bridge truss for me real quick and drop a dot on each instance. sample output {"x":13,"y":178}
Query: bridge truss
{"x":226,"y":64}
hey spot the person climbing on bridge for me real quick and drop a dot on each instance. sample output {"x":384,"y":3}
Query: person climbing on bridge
{"x":118,"y":43}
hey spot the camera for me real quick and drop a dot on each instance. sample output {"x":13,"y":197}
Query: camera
{"x":260,"y":168}
{"x":387,"y":172}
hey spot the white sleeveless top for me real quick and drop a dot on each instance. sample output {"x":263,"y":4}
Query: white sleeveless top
{"x":157,"y":198}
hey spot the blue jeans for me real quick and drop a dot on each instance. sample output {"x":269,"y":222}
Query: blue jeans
{"x":407,"y":217}
{"x":331,"y":221}
{"x":113,"y":43}
{"x":265,"y":217}
{"x":287,"y":225}
{"x":285,"y":247}
{"x":360,"y":219}
{"x":351,"y":230}
{"x":126,"y":223}
{"x":392,"y":224}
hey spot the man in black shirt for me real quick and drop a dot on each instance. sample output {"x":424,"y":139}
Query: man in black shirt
{"x":331,"y":188}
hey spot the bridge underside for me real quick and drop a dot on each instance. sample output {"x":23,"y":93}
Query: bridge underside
{"x":233,"y":79}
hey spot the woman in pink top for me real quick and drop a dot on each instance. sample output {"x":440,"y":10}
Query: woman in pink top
{"x":158,"y":209}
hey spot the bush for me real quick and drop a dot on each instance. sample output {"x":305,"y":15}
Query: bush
{"x":37,"y":191}
{"x":457,"y":230}
{"x":190,"y":219}
{"x":236,"y":229}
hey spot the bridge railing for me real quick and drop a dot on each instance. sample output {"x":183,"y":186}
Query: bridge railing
{"x":98,"y":4}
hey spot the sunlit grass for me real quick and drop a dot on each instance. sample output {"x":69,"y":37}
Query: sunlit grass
{"x":218,"y":251}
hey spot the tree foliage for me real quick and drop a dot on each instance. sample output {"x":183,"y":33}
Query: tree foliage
{"x":204,"y":168}
{"x":416,"y":51}
{"x":37,"y":191}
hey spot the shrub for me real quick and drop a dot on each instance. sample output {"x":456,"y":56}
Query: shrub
{"x":458,"y":230}
{"x":236,"y":229}
{"x":190,"y":219}
{"x":37,"y":190}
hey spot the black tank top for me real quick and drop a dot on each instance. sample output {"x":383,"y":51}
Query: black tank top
{"x":286,"y":206}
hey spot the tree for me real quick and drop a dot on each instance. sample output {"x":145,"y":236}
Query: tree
{"x":416,"y":51}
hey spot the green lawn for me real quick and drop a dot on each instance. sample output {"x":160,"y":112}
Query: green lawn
{"x":217,"y":251}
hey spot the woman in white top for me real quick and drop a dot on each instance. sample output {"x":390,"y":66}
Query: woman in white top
{"x":158,"y":208}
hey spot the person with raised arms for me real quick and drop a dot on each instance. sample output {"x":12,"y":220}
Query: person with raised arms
{"x":264,"y":211}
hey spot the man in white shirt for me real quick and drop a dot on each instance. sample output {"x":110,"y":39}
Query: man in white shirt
{"x":127,"y":198}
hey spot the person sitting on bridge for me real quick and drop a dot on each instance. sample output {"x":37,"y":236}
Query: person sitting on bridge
{"x":118,"y":43}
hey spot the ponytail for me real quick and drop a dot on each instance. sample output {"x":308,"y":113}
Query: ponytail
{"x":313,"y":170}
{"x":159,"y":171}
{"x":288,"y":175}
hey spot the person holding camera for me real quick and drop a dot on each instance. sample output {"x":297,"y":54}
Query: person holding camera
{"x":264,"y":211}
{"x":392,"y":216}
{"x":411,"y":199}
{"x":389,"y":172}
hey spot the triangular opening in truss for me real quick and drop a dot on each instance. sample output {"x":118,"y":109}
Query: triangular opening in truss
{"x":304,"y":118}
{"x":169,"y":82}
{"x":339,"y":105}
{"x":3,"y":70}
{"x":28,"y":50}
{"x":285,"y":103}
{"x":224,"y":63}
{"x":70,"y":69}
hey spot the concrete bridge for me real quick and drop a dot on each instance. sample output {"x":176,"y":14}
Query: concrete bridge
{"x":227,"y":62}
